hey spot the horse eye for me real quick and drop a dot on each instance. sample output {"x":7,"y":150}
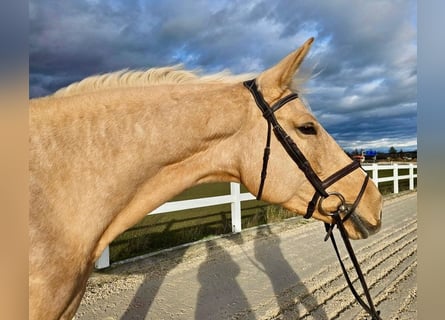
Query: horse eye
{"x":307,"y":128}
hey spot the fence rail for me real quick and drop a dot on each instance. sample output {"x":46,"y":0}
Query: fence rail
{"x":236,"y":197}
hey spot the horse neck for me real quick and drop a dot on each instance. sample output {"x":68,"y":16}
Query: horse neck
{"x":131,"y":150}
{"x":192,"y":129}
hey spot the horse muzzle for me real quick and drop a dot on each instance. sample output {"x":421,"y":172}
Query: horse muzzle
{"x":363,"y":228}
{"x":349,"y":214}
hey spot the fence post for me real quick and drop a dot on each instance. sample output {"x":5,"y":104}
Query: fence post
{"x":411,"y":176}
{"x":396,"y":177}
{"x":375,"y":173}
{"x":104,"y":259}
{"x":235,"y":206}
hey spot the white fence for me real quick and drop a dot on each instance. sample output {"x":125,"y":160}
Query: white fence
{"x":374,"y":168}
{"x":236,"y":197}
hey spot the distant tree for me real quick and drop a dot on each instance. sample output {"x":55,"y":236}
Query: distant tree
{"x":392,"y":152}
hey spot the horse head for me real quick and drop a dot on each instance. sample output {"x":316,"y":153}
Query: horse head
{"x":317,"y":171}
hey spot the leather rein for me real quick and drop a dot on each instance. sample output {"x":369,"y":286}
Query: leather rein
{"x":343,"y":212}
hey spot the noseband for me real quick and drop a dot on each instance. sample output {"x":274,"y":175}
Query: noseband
{"x":344,"y":210}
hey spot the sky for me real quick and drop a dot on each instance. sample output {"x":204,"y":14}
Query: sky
{"x":363,"y":63}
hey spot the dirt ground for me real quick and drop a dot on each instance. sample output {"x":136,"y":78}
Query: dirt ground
{"x":280,"y":271}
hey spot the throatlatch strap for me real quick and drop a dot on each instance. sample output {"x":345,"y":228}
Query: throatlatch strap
{"x":265,"y":162}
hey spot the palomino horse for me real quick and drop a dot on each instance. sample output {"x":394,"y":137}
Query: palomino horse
{"x":109,"y":149}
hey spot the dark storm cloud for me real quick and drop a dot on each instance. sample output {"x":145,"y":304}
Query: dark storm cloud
{"x":364,"y":55}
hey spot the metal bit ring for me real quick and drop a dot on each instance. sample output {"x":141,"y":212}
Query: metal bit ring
{"x":341,"y":207}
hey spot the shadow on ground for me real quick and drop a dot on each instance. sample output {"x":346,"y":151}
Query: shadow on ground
{"x":220,"y":295}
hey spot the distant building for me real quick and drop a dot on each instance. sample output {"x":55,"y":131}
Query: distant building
{"x":359,"y":157}
{"x":366,"y":155}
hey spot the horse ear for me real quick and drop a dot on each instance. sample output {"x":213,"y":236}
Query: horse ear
{"x":278,"y":78}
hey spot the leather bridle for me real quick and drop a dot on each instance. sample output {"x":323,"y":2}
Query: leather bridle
{"x":344,"y":210}
{"x":297,"y":156}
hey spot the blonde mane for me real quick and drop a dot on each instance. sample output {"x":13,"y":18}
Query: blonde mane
{"x":142,"y":78}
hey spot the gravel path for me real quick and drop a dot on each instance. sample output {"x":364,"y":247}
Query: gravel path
{"x":280,"y":271}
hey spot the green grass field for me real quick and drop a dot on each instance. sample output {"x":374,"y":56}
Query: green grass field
{"x":156,"y":232}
